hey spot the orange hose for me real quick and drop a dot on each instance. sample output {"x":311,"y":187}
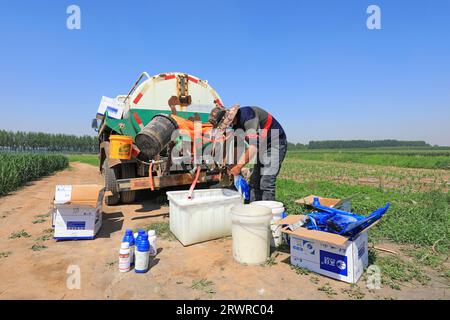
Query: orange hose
{"x":197,"y":175}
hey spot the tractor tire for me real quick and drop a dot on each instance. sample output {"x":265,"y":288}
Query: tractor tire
{"x":128,"y":172}
{"x":110,"y":176}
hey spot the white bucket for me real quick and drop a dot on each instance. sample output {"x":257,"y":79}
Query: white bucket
{"x":250,"y":230}
{"x":278,"y":213}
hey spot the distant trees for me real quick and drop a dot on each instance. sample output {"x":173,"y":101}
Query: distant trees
{"x":349,"y":144}
{"x":46,"y":142}
{"x":296,"y":146}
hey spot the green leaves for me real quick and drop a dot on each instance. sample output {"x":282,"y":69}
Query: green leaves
{"x":16,"y":169}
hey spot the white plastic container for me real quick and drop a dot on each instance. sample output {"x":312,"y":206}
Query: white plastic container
{"x":152,"y":241}
{"x":124,"y":257}
{"x":278,"y":213}
{"x":251,"y":233}
{"x":204,"y":217}
{"x":142,"y":255}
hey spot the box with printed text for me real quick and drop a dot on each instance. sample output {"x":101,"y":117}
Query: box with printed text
{"x":78,"y":211}
{"x":329,"y":254}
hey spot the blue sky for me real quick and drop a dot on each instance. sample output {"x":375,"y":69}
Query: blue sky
{"x":313,"y":64}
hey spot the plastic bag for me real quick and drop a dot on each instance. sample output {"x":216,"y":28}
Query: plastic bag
{"x":242,"y":186}
{"x":340,"y":222}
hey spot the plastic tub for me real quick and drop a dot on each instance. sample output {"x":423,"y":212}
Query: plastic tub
{"x":120,"y":147}
{"x":278,"y":213}
{"x":251,"y":233}
{"x":205,"y":217}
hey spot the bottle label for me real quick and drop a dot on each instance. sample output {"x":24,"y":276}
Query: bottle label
{"x":124,"y":262}
{"x":141,"y":260}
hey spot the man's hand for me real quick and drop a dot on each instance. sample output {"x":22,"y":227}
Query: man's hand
{"x":236,"y":170}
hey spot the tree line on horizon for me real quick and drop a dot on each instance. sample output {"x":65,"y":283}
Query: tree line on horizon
{"x":354,"y":144}
{"x":49,"y":142}
{"x":21,"y":141}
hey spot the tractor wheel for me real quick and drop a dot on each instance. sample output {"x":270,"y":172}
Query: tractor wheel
{"x":128,"y":172}
{"x":110,"y":176}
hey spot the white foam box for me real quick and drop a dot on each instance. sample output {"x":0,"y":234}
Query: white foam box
{"x":328,"y":254}
{"x":113,"y":106}
{"x":78,"y":211}
{"x":206,"y":216}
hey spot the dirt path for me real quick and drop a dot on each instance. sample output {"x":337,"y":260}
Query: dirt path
{"x":28,"y":274}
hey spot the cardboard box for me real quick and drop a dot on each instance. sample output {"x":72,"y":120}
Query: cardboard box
{"x":329,"y":202}
{"x":329,"y":254}
{"x":114,"y":107}
{"x":78,"y":211}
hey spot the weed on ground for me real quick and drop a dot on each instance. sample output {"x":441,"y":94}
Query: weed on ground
{"x":330,"y":292}
{"x":5,"y":254}
{"x":19,"y":234}
{"x":203,"y":285}
{"x":38,"y":247}
{"x":354,"y":292}
{"x":314,"y":280}
{"x":44,"y":237}
{"x":300,"y":271}
{"x":162,"y":230}
{"x":40,"y":220}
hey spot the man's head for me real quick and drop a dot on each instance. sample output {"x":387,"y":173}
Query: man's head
{"x":216,"y":116}
{"x":222,"y":118}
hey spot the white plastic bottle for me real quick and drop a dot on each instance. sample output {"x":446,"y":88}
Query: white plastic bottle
{"x":124,"y":257}
{"x":152,"y":241}
{"x":142,"y":255}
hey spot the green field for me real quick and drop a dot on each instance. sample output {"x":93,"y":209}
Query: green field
{"x":84,"y":158}
{"x":397,"y":157}
{"x":17,"y":169}
{"x":416,"y":184}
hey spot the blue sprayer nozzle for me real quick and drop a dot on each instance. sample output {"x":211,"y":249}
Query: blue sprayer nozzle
{"x":242,"y":186}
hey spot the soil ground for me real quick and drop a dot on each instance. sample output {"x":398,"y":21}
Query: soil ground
{"x":29,"y":274}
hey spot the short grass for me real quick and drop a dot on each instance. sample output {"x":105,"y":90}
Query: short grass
{"x":162,"y":229}
{"x":19,"y":234}
{"x":38,"y":247}
{"x":5,"y":254}
{"x":204,"y":285}
{"x":395,"y":272}
{"x":91,"y":159}
{"x":328,"y":290}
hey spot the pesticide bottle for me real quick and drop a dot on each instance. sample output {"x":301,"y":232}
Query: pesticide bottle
{"x":152,"y":241}
{"x":130,"y":239}
{"x":142,"y":254}
{"x":124,"y":257}
{"x":137,"y":238}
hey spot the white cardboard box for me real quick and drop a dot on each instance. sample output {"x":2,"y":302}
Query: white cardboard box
{"x":329,"y":254}
{"x":78,"y":211}
{"x":113,"y":106}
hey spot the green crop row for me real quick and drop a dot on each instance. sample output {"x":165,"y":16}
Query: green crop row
{"x":16,"y":169}
{"x":429,"y":160}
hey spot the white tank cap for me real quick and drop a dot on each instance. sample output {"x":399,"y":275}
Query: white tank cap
{"x":124,"y":245}
{"x":151,"y":233}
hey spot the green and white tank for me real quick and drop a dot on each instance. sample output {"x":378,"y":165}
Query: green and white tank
{"x":151,"y":96}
